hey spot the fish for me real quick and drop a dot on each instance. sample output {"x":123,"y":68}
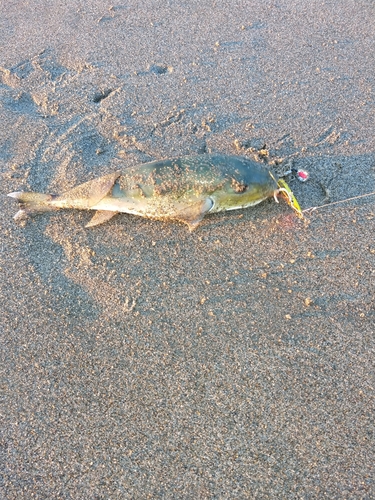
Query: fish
{"x":183,"y":189}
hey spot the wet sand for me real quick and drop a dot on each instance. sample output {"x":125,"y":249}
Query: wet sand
{"x":143,"y":361}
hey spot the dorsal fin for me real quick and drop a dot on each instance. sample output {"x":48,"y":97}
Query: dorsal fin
{"x":88,"y":194}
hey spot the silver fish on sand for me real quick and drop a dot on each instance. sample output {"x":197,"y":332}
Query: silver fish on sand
{"x":183,"y":189}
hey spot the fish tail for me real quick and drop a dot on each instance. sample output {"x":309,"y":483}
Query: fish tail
{"x":31,"y":203}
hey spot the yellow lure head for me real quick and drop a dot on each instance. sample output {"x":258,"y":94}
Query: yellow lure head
{"x":289,"y":197}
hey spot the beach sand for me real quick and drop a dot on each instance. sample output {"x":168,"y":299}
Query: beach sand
{"x":143,"y":361}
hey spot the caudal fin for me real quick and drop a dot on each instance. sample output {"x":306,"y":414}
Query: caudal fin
{"x":30,"y":203}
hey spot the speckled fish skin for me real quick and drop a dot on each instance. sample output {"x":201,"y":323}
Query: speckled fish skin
{"x":183,"y":189}
{"x":188,"y":187}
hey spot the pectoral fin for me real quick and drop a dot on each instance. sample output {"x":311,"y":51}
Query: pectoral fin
{"x":193,"y":214}
{"x":88,"y":194}
{"x":100,"y":217}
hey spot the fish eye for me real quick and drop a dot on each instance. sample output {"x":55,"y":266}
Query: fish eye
{"x":238,"y":186}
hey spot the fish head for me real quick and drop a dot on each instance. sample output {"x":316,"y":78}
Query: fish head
{"x":247,"y":187}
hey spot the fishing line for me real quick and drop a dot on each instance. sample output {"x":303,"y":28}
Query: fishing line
{"x":312,"y":209}
{"x":303,"y":176}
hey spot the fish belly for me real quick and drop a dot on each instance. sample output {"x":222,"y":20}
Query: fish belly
{"x":218,"y":207}
{"x":124,"y":205}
